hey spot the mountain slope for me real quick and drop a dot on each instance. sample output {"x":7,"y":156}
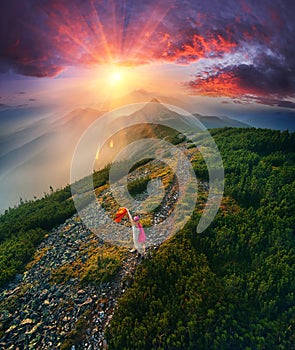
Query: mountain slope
{"x":141,"y":95}
{"x":211,"y":122}
{"x":230,"y":287}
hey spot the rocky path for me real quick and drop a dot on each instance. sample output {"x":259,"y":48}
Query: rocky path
{"x":39,"y":314}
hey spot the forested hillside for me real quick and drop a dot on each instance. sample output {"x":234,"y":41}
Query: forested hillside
{"x":232,"y":286}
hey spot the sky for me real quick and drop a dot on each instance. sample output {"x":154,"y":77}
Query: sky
{"x":239,"y":49}
{"x":230,"y":57}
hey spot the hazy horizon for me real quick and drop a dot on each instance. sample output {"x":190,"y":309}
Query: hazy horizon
{"x":30,"y":156}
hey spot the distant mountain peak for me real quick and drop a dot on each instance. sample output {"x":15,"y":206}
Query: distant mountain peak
{"x":154,"y":100}
{"x":219,"y":122}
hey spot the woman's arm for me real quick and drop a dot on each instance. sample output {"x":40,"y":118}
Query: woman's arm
{"x":130,"y":217}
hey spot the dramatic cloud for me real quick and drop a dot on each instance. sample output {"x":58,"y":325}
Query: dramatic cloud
{"x":262,"y":69}
{"x":239,"y":48}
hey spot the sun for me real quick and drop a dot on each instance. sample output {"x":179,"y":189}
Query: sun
{"x":116,"y":77}
{"x":111,"y":81}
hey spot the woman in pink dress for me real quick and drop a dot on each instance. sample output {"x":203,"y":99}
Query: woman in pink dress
{"x":138,"y":234}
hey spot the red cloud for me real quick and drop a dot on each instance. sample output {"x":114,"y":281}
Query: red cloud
{"x":226,"y":83}
{"x":194,"y":46}
{"x":261,"y":85}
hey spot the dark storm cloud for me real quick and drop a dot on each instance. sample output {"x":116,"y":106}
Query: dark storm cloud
{"x":249,"y":45}
{"x":25,"y":45}
{"x":269,"y":74}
